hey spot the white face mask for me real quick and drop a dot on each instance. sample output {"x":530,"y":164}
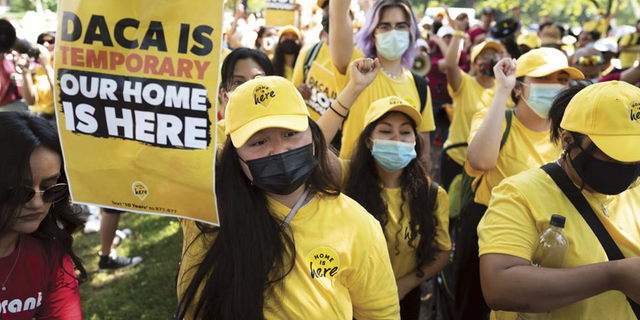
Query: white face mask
{"x":393,"y":44}
{"x":541,"y":96}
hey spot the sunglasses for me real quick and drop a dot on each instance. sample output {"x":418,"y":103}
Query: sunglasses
{"x":590,"y":61}
{"x":24,"y":194}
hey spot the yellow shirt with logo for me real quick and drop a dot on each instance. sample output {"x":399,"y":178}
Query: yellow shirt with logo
{"x":341,"y":269}
{"x":381,"y":87}
{"x":470,"y":98}
{"x":44,"y":91}
{"x":397,"y":230}
{"x":324,"y":80}
{"x":524,"y":149}
{"x":627,"y":59}
{"x":521,"y":208}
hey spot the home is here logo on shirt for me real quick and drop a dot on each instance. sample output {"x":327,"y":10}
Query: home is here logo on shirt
{"x":324,"y":265}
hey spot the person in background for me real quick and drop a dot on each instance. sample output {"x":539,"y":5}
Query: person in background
{"x":470,"y":92}
{"x":586,"y":39}
{"x":593,"y":127}
{"x":532,"y":82}
{"x":528,"y":42}
{"x":609,"y":49}
{"x":480,"y":32}
{"x":591,"y":63}
{"x":37,"y":222}
{"x":38,"y":79}
{"x":109,"y":258}
{"x":286,"y":52}
{"x":629,"y":47}
{"x":267,"y":40}
{"x":551,"y":36}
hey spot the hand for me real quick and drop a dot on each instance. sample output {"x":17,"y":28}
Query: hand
{"x":305,"y":91}
{"x":404,"y":287}
{"x":21,"y":61}
{"x":459,"y":23}
{"x":363,"y":71}
{"x":239,"y":11}
{"x":627,"y":277}
{"x":45,"y":56}
{"x":505,"y":72}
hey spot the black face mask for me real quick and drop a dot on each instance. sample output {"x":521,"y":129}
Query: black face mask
{"x":290,"y":47}
{"x":285,"y":172}
{"x":486,"y":68}
{"x":604,"y":177}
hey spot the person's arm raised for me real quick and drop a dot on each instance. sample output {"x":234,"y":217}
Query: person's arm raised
{"x":362,"y":73}
{"x":454,"y":74}
{"x":484,"y":148}
{"x":340,"y":34}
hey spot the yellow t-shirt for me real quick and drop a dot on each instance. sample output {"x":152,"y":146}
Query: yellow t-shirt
{"x":470,"y":98}
{"x":335,"y":235}
{"x":600,"y":25}
{"x":381,"y":87}
{"x":627,"y":59}
{"x":524,"y":149}
{"x":520,"y":209}
{"x":398,"y":230}
{"x":324,"y":80}
{"x":288,"y":72}
{"x":44,"y":91}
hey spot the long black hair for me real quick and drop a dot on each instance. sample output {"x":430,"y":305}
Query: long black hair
{"x":278,"y":60}
{"x":229,"y":64}
{"x":251,"y":253}
{"x":21,"y":134}
{"x":365,"y":186}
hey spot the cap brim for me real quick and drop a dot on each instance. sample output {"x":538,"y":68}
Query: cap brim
{"x":549,"y":69}
{"x":296,"y":122}
{"x":620,"y":148}
{"x":408,"y":110}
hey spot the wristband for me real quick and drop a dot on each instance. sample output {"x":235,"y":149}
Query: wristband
{"x":458,"y":33}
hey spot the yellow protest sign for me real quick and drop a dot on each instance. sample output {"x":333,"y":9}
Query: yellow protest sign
{"x":280,"y":13}
{"x":135,"y":103}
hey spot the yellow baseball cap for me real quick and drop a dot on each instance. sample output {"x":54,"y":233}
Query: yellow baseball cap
{"x":544,"y":61}
{"x":391,"y":103}
{"x":475,"y":52}
{"x":609,"y":114}
{"x":530,"y":40}
{"x":264,"y":102}
{"x":290,"y":29}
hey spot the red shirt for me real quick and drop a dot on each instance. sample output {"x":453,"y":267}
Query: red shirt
{"x":438,"y":80}
{"x":38,"y":287}
{"x":474,"y":32}
{"x":8,"y":89}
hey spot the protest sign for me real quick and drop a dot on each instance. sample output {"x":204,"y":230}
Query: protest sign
{"x":135,"y":103}
{"x":280,"y":13}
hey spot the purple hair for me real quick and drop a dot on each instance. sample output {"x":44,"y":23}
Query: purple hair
{"x":364,"y":38}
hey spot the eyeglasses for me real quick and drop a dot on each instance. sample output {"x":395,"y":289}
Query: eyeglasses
{"x":24,"y":194}
{"x":386,"y":27}
{"x":590,"y":61}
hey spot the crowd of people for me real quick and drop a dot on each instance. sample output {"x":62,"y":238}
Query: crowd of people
{"x":348,"y":176}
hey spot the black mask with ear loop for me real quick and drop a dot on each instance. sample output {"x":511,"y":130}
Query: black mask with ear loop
{"x":285,"y":172}
{"x":610,"y":178}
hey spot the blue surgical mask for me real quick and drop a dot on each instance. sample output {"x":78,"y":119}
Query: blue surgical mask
{"x":541,"y":97}
{"x":393,"y":44}
{"x":393,"y":155}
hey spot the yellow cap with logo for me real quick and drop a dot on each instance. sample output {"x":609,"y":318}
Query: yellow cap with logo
{"x":475,"y":52}
{"x":609,"y":114}
{"x":391,"y":103}
{"x":543,"y":62}
{"x":261,"y":103}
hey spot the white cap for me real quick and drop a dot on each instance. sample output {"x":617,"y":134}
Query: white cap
{"x":421,"y":43}
{"x":445,"y":31}
{"x":606,"y":45}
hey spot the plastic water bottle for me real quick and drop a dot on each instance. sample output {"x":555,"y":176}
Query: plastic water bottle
{"x":551,"y":252}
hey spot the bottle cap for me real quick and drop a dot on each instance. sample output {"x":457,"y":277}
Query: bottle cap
{"x":557,"y":221}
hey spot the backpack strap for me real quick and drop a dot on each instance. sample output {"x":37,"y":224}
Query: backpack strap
{"x":508,"y":115}
{"x":455,"y":145}
{"x":309,"y":59}
{"x":580,"y":203}
{"x":421,"y":86}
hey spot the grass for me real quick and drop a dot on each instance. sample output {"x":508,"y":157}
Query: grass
{"x":144,"y":292}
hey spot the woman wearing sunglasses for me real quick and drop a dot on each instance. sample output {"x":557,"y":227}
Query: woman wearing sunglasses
{"x":37,"y":274}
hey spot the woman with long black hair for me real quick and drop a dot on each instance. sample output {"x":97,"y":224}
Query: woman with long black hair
{"x":386,"y":177}
{"x":289,"y":245}
{"x":37,"y":274}
{"x":286,"y":52}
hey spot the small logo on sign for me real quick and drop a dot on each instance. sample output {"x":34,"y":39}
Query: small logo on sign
{"x":140,"y":190}
{"x":263,"y":95}
{"x":634,"y":111}
{"x":324,"y":265}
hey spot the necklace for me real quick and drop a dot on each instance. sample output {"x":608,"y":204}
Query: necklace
{"x":10,"y":272}
{"x":392,"y":77}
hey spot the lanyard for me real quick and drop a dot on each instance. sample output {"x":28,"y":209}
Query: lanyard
{"x":295,"y":209}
